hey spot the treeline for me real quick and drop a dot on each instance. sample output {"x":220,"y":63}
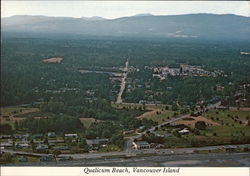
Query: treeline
{"x":100,"y":109}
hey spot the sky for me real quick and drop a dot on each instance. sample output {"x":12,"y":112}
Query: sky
{"x":116,"y":9}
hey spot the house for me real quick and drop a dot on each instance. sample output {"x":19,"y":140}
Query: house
{"x":56,"y":141}
{"x":159,"y":146}
{"x":22,"y":159}
{"x":61,"y":148}
{"x":42,"y":148}
{"x":6,"y":144}
{"x":141,"y":129}
{"x":142,"y":102}
{"x":141,"y":145}
{"x":51,"y":134}
{"x":46,"y":158}
{"x":129,"y":132}
{"x":71,"y":135}
{"x":222,"y":108}
{"x":5,"y":136}
{"x":22,"y":145}
{"x":184,"y":131}
{"x":38,"y":141}
{"x":95,"y":143}
{"x":37,"y":136}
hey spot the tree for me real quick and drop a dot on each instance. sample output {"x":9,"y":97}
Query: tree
{"x":201,"y":125}
{"x":16,"y":125}
{"x":106,"y":134}
{"x":83,"y":145}
{"x":7,"y":158}
{"x":175,"y":133}
{"x":117,"y":139}
{"x":56,"y":153}
{"x":5,"y":129}
{"x":174,"y":107}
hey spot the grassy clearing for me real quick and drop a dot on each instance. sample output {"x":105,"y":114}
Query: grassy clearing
{"x":87,"y":121}
{"x":162,"y":117}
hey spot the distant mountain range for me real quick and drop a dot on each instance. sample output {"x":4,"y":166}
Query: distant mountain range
{"x":207,"y":26}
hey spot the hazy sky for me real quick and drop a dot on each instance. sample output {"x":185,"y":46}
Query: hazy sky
{"x":114,"y":9}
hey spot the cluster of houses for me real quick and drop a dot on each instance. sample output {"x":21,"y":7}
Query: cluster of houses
{"x":26,"y":141}
{"x":184,"y":70}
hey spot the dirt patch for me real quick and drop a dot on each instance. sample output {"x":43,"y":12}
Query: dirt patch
{"x":148,"y":114}
{"x":191,"y":123}
{"x":26,"y":111}
{"x":12,"y":114}
{"x":53,"y":60}
{"x":7,"y":119}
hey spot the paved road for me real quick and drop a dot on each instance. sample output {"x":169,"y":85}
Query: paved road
{"x":123,"y":83}
{"x":152,"y":152}
{"x":182,"y":160}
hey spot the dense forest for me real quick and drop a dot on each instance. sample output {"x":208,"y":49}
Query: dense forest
{"x":25,"y":78}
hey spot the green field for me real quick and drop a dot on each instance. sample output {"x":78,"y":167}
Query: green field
{"x":230,"y":125}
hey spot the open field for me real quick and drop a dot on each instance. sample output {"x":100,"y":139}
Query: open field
{"x":10,"y":115}
{"x":87,"y":121}
{"x":17,"y":111}
{"x":160,"y":117}
{"x":53,"y":60}
{"x":227,"y":117}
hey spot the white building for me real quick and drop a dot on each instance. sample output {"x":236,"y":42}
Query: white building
{"x":141,"y":145}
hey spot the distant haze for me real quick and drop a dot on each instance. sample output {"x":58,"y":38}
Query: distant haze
{"x":116,"y":9}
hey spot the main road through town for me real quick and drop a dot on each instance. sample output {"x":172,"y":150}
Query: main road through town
{"x":123,"y":83}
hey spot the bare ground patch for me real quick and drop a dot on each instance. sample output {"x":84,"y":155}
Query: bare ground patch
{"x":191,"y":123}
{"x":149,"y":113}
{"x":53,"y":60}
